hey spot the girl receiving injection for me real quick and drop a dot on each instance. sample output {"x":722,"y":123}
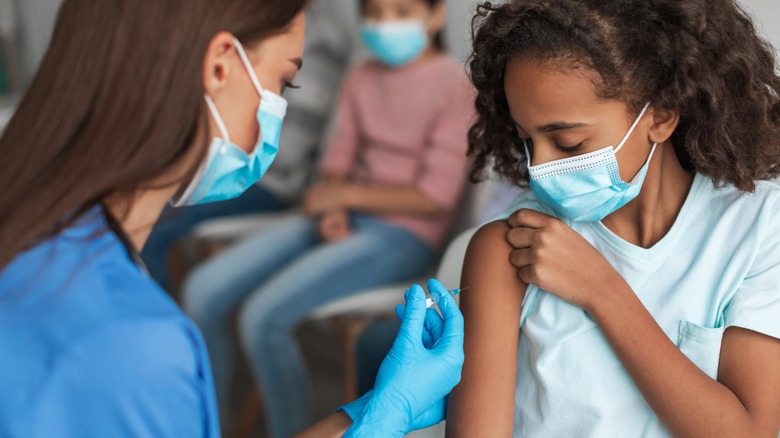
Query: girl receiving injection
{"x":643,"y":294}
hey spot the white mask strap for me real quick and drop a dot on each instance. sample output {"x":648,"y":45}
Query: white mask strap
{"x":248,"y":65}
{"x":630,"y":131}
{"x":217,"y":118}
{"x":527,"y":153}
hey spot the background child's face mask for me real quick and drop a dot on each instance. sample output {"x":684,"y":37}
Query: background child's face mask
{"x":395,"y":43}
{"x":587,"y":187}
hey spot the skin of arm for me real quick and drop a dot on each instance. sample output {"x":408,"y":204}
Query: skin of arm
{"x":337,"y":193}
{"x":483,"y":403}
{"x":333,"y":426}
{"x":744,"y":401}
{"x":390,"y":200}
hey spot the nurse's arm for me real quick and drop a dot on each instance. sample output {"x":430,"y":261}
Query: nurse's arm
{"x":333,"y":426}
{"x":483,"y":403}
{"x":744,"y":401}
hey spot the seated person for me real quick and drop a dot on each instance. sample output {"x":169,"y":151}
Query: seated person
{"x":391,"y":180}
{"x":643,"y":293}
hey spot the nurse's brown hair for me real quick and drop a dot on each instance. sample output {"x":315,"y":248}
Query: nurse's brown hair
{"x":117,"y":101}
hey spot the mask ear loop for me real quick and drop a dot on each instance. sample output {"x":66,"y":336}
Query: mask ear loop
{"x":631,"y":131}
{"x":527,"y":153}
{"x":217,"y":118}
{"x":248,"y":65}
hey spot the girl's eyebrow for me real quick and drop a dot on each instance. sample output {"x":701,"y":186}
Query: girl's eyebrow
{"x":559,"y":126}
{"x":556,"y":127}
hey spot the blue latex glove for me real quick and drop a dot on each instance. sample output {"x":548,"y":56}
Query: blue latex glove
{"x":434,"y":327}
{"x":419,"y":372}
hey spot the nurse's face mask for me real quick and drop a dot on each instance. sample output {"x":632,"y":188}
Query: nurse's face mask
{"x":228,"y":170}
{"x":587,"y":187}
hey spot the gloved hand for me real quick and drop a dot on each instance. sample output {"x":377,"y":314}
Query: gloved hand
{"x":431,"y":417}
{"x":434,"y":327}
{"x":422,"y":367}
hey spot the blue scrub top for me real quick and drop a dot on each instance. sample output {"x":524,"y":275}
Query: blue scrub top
{"x":91,"y":346}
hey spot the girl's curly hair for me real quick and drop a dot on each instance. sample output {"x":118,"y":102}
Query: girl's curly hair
{"x":702,"y":58}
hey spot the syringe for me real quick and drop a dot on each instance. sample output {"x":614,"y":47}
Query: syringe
{"x":430,"y":302}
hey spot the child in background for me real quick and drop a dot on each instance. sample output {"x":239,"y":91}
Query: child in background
{"x":391,"y":180}
{"x":643,"y":293}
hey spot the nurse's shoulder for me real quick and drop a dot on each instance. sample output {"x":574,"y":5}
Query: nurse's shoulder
{"x":76,"y":305}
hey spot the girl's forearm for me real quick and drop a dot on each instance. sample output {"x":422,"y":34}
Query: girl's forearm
{"x":391,"y":200}
{"x":688,"y":402}
{"x":333,"y":178}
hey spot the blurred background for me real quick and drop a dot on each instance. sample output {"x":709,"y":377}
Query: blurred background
{"x":341,"y":341}
{"x":25,"y":27}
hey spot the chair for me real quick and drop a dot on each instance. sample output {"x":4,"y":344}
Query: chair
{"x":211,"y":237}
{"x":351,"y":316}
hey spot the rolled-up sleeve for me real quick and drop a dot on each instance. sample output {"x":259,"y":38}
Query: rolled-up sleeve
{"x":443,"y":174}
{"x":756,"y":304}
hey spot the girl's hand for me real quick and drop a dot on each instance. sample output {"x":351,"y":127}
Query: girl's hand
{"x":552,"y":256}
{"x":334,"y":226}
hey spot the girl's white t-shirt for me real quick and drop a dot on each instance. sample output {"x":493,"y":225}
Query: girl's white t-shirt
{"x":719,"y":266}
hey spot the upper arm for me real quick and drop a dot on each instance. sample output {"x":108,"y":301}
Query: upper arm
{"x":750,"y":352}
{"x":483,"y":403}
{"x":750,"y":368}
{"x":138,"y":379}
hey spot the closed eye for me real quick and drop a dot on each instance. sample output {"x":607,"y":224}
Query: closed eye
{"x":569,"y":149}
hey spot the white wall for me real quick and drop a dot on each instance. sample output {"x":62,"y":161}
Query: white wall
{"x":34,"y":22}
{"x":458,"y":31}
{"x":767,"y":15}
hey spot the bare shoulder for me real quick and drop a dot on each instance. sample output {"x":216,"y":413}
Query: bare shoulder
{"x":487,"y":268}
{"x":490,"y":241}
{"x":483,"y":403}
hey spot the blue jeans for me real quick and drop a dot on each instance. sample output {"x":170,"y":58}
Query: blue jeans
{"x":275,"y":279}
{"x":176,"y":223}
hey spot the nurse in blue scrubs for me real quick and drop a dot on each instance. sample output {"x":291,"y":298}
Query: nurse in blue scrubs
{"x":139,"y":103}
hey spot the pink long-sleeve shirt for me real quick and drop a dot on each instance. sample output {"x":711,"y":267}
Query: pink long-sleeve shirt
{"x":406,"y":127}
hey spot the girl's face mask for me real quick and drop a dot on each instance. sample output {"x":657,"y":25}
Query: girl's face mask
{"x":587,"y":187}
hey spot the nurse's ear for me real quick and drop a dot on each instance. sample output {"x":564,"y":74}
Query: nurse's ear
{"x":218,"y":63}
{"x":664,"y":123}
